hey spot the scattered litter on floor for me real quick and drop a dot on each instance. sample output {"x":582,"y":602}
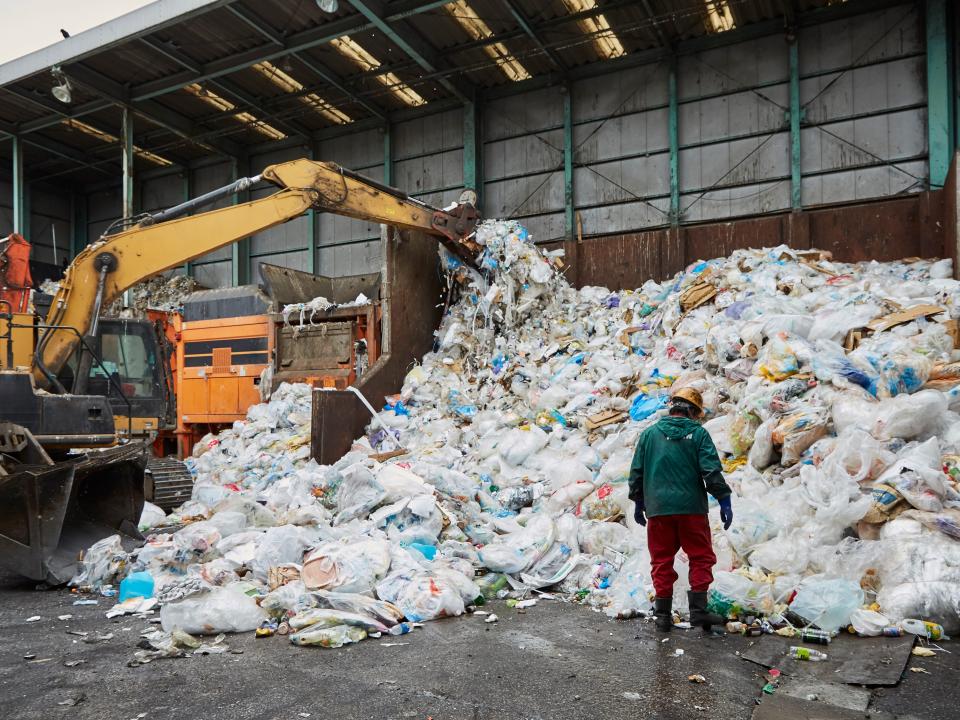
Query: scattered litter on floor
{"x":632,"y":696}
{"x":33,"y":618}
{"x":831,"y":391}
{"x":922,"y":652}
{"x":696,"y":678}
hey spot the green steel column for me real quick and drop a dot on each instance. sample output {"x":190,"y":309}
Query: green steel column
{"x":673,"y":124}
{"x":187,"y":194}
{"x":20,"y":215}
{"x":240,"y":256}
{"x":126,"y":153}
{"x":796,"y":114}
{"x":940,"y":103}
{"x":567,"y":91}
{"x":312,"y":225}
{"x":388,"y":155}
{"x":473,"y":150}
{"x":127,"y":189}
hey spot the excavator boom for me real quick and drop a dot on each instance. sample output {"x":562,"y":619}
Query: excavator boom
{"x":106,"y":268}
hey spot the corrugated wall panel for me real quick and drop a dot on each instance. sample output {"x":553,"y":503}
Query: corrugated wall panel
{"x":347,"y":246}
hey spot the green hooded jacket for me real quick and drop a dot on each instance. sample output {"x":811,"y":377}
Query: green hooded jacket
{"x":674,"y":467}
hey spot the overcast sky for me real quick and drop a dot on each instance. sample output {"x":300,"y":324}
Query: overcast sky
{"x":29,"y":25}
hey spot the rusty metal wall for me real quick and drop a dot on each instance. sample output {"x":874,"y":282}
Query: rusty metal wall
{"x":413,"y":290}
{"x":910,"y":226}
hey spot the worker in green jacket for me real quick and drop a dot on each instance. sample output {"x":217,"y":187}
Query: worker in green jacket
{"x":674,"y":467}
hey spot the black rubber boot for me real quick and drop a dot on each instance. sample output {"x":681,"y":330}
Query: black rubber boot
{"x":663,"y":613}
{"x":699,"y":617}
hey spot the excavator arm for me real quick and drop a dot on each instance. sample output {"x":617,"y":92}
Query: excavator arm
{"x":170,"y":238}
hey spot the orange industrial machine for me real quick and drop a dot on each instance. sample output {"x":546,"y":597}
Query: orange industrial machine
{"x":229,"y":341}
{"x":224,"y":344}
{"x":323,"y":346}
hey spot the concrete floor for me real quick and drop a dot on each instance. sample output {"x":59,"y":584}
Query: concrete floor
{"x":551,"y":661}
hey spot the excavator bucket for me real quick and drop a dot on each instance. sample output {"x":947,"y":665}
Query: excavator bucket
{"x":51,"y":512}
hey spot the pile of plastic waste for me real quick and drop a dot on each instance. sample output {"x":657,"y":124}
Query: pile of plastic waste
{"x":501,"y":466}
{"x":165,"y":293}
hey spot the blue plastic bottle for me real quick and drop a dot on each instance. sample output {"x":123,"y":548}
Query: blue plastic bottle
{"x":138,"y":584}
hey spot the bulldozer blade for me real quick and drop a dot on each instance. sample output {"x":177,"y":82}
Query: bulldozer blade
{"x":49,"y":514}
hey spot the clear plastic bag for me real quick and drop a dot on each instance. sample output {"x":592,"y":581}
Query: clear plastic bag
{"x":346,"y":566}
{"x":101,"y":563}
{"x":226,"y":609}
{"x":517,"y":551}
{"x":827,"y":602}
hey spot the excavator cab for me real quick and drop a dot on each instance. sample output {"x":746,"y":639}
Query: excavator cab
{"x":65,"y":482}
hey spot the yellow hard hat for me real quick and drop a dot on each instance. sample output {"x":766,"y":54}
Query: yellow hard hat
{"x":691,"y":396}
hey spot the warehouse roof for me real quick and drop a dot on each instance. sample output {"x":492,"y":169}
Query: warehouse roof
{"x":215,"y":77}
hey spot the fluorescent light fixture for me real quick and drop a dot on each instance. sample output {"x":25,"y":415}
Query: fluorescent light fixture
{"x":329,"y":6}
{"x":354,"y":52}
{"x":224,"y":105}
{"x":719,"y":17}
{"x":289,"y":84}
{"x":106,"y":137}
{"x":605,"y":40}
{"x":479,"y":30}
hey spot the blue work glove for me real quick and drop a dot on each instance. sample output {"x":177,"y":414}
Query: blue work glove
{"x":726,"y":512}
{"x":638,"y":510}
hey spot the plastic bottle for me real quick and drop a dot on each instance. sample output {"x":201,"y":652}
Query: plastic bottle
{"x":929,"y":630}
{"x":802,"y":653}
{"x":892,"y":631}
{"x":138,"y":584}
{"x":817,"y":637}
{"x":329,"y":637}
{"x":735,"y":627}
{"x":400,"y":629}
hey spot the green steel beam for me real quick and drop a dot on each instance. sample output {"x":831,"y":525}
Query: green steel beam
{"x":673,"y":124}
{"x":240,"y":255}
{"x":187,"y":194}
{"x":567,"y":91}
{"x":126,"y":183}
{"x":796,"y":112}
{"x":473,"y":150}
{"x":20,"y":216}
{"x":387,"y":155}
{"x":406,"y":38}
{"x":940,"y":103}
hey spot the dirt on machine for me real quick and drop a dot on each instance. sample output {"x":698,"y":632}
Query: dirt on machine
{"x":84,"y":399}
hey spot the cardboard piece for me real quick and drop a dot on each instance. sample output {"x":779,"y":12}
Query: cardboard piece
{"x":606,"y":417}
{"x":900,"y":318}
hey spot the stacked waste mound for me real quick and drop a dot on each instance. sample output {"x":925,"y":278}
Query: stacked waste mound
{"x":157,"y":293}
{"x":501,"y":466}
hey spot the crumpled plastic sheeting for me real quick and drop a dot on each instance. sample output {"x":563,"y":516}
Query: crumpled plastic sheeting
{"x":165,"y":293}
{"x":517,"y":432}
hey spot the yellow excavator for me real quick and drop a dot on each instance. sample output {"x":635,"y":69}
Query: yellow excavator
{"x":70,"y":474}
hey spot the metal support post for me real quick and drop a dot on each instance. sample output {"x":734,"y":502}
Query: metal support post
{"x":240,"y":257}
{"x":796,"y":115}
{"x":940,"y":102}
{"x":473,"y":150}
{"x":388,"y":155}
{"x":673,"y":125}
{"x":567,"y":91}
{"x":187,"y":194}
{"x":21,"y":217}
{"x":126,"y":162}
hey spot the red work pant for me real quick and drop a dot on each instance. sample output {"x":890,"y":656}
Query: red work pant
{"x":666,"y":534}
